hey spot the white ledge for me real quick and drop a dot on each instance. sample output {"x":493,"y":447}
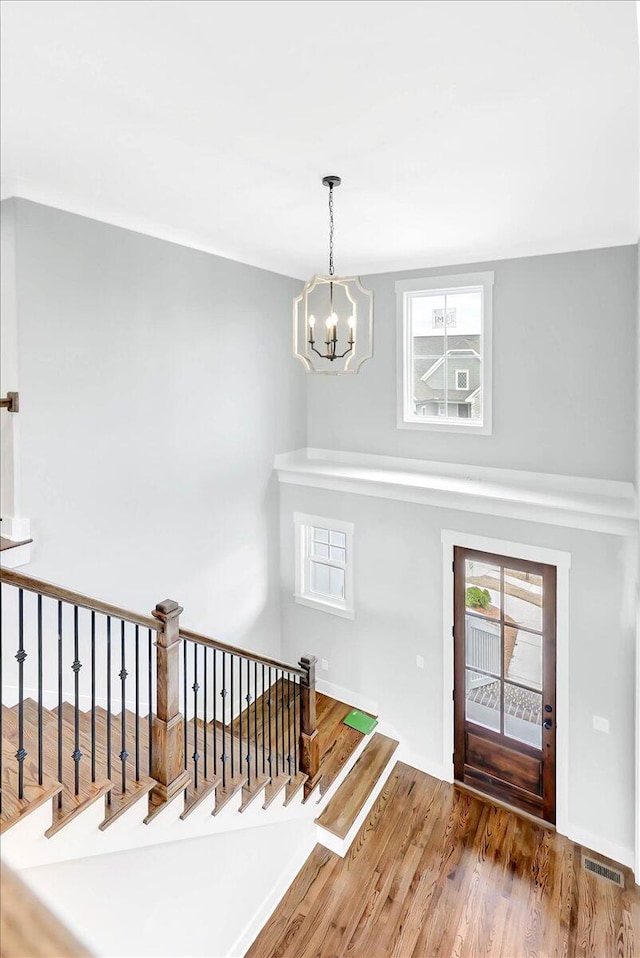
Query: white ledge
{"x":599,"y":505}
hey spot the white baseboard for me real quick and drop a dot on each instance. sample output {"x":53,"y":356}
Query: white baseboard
{"x":595,"y":843}
{"x":355,"y":699}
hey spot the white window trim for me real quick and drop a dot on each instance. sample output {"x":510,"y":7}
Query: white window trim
{"x":448,"y":284}
{"x":302,"y":594}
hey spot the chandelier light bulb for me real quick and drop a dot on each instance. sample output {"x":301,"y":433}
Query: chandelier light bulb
{"x":328,"y":321}
{"x":312,"y":321}
{"x":351,"y":322}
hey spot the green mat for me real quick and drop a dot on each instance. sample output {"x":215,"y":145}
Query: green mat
{"x":360,"y":721}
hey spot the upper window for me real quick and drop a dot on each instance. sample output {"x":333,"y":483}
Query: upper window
{"x":444,"y":354}
{"x":324,"y":564}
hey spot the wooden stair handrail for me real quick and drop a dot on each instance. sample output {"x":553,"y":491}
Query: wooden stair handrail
{"x":243,"y":653}
{"x":11,"y":577}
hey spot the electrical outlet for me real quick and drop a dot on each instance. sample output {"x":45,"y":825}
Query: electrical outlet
{"x":600,"y":724}
{"x":420,"y":661}
{"x":325,"y":665}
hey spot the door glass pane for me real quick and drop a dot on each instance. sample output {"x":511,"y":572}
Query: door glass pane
{"x":523,"y":598}
{"x":482,"y":588}
{"x":482,"y":644}
{"x":523,"y":657}
{"x":320,"y":535}
{"x":338,"y":539}
{"x":523,"y":715}
{"x":482,"y":700}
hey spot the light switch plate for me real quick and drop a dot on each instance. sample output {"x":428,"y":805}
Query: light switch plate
{"x":420,"y":661}
{"x":600,"y":724}
{"x":325,"y":665}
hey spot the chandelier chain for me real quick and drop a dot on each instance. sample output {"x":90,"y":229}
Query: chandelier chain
{"x":331,"y":270}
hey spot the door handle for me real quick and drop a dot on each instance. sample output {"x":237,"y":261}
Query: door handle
{"x":547,"y":724}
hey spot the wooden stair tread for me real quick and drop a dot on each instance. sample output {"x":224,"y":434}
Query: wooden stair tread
{"x":345,"y":806}
{"x":196,"y":796}
{"x":251,"y":792}
{"x":296,"y":782}
{"x":117,"y":802}
{"x":224,"y":793}
{"x":34,"y":793}
{"x":274,"y":788}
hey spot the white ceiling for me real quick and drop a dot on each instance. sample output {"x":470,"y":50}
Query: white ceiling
{"x":462,"y":130}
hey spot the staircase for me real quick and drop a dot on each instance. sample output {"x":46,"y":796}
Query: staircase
{"x":112,"y":720}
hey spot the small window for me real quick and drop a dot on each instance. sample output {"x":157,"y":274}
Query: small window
{"x":324,"y":564}
{"x":462,"y":378}
{"x":444,"y":353}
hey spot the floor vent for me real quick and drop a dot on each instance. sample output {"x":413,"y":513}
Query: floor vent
{"x":603,"y":871}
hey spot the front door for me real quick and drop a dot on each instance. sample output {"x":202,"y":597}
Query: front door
{"x":505,"y":679}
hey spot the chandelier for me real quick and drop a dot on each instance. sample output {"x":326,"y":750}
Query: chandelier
{"x":333,"y":316}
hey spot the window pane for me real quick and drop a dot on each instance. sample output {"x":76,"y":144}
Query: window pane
{"x":338,"y":539}
{"x":523,"y":657}
{"x":482,"y":588}
{"x":523,"y":715}
{"x":482,"y":644}
{"x":523,"y":598}
{"x":337,"y":583}
{"x":320,"y":550}
{"x":483,"y":700}
{"x":327,"y":580}
{"x":446,"y":332}
{"x":319,"y":535}
{"x":337,"y":555}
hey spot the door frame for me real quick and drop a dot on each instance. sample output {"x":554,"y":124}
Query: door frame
{"x":516,"y":550}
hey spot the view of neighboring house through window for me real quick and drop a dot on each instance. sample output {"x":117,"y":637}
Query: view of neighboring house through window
{"x":324,"y":564}
{"x":445,"y":325}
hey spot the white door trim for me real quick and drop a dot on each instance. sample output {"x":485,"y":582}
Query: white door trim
{"x":517,"y":550}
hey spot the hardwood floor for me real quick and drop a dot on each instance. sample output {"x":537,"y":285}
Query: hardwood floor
{"x":437,"y":871}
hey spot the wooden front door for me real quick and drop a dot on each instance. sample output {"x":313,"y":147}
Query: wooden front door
{"x":505,"y":679}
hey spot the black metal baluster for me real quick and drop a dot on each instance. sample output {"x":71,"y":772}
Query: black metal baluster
{"x":282,"y":715}
{"x":255,"y":714}
{"x":137,"y":719}
{"x":277,"y":723}
{"x":215,"y":724}
{"x":231,"y":658}
{"x":184,"y":705}
{"x":59,"y":700}
{"x":240,"y":717}
{"x":288,"y":723}
{"x":109,"y":705}
{"x":263,"y":735}
{"x":204,"y":730}
{"x":150,"y":715}
{"x":77,"y":754}
{"x":295,"y":726}
{"x":40,"y":743}
{"x":270,"y":726}
{"x":248,"y":698}
{"x":21,"y":656}
{"x":93,"y":696}
{"x":195,"y":687}
{"x":124,"y":755}
{"x":223,"y":695}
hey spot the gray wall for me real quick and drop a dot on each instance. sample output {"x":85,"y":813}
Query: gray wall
{"x":564,"y":371}
{"x":398,"y":615}
{"x":156,"y":385}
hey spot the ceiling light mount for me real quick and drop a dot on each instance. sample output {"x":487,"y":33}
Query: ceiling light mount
{"x":348,"y":308}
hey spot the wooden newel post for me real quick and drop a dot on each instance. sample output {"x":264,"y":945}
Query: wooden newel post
{"x":167,"y":730}
{"x":309,"y":747}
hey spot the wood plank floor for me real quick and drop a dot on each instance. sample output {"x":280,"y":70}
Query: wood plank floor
{"x":437,"y":871}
